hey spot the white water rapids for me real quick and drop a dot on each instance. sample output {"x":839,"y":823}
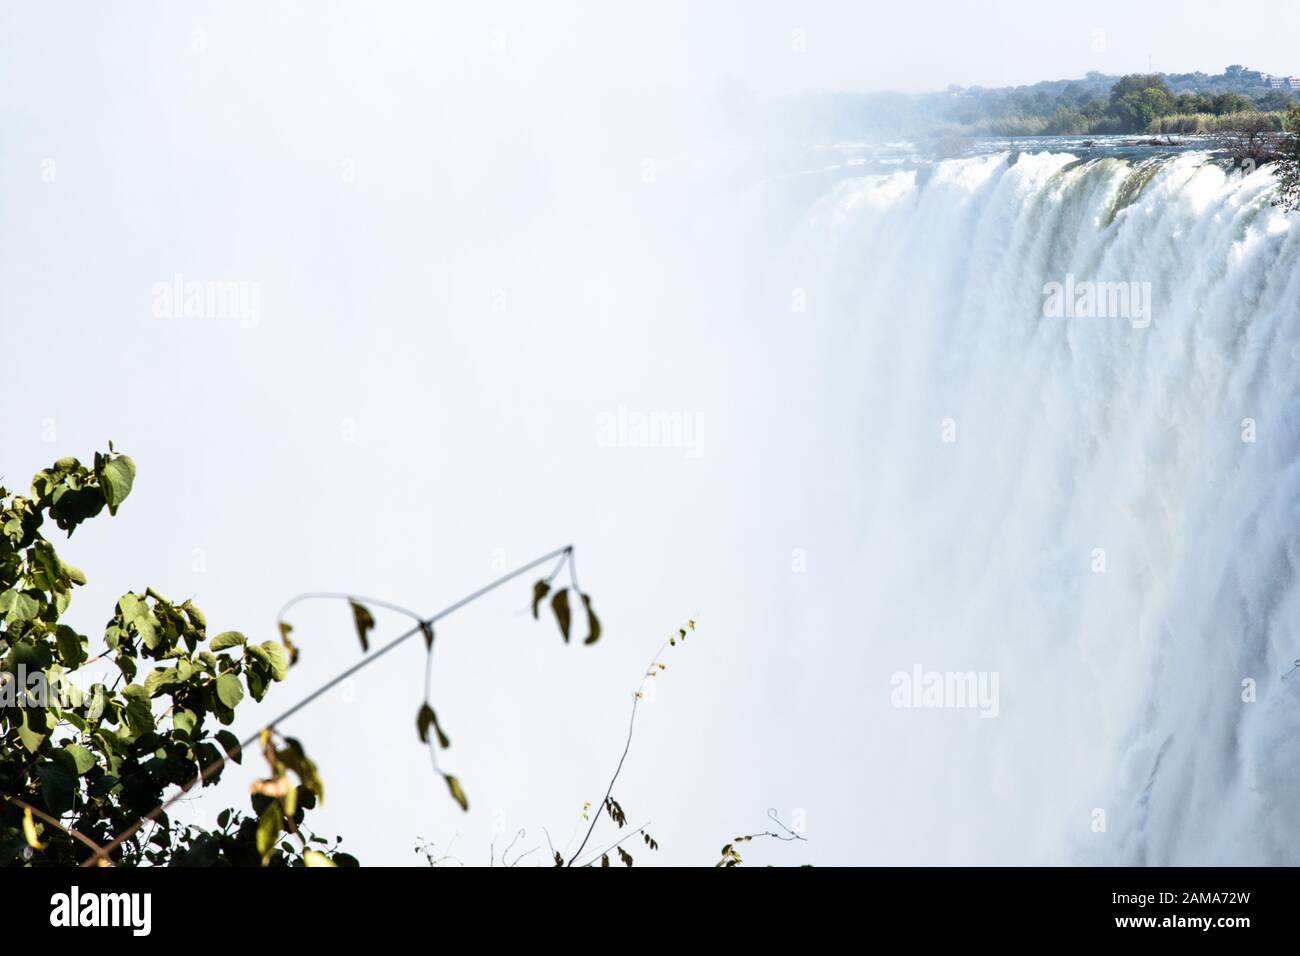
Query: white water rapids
{"x":1102,"y":515}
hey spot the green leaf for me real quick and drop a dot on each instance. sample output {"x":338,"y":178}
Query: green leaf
{"x":269,"y":825}
{"x":316,"y":858}
{"x":136,"y":612}
{"x":277,"y":658}
{"x":58,"y":784}
{"x":227,"y":639}
{"x":184,"y":720}
{"x":272,"y":656}
{"x":457,"y":793}
{"x":560,"y":605}
{"x":18,"y":607}
{"x":73,"y":574}
{"x":158,"y":678}
{"x":229,"y":690}
{"x":83,"y":758}
{"x":365,"y":624}
{"x":115,"y":480}
{"x":36,"y":657}
{"x":69,"y":643}
{"x":540,"y":590}
{"x":30,"y":737}
{"x":139,"y":716}
{"x":230,"y":744}
{"x":285,"y":629}
{"x":593,"y":622}
{"x":256,"y":676}
{"x":426,"y":719}
{"x":195,"y":615}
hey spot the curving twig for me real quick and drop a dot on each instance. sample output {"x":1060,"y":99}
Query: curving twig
{"x":339,"y":595}
{"x":791,"y":835}
{"x":101,"y":853}
{"x":627,"y":745}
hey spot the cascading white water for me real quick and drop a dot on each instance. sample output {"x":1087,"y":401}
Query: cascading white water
{"x":1102,"y":514}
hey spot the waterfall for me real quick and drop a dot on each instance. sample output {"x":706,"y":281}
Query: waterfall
{"x":1100,"y":512}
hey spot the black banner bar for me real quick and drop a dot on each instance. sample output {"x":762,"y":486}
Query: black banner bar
{"x":143,"y":906}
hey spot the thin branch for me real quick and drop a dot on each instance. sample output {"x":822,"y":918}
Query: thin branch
{"x":558,"y":567}
{"x":70,"y":831}
{"x":428,"y":666}
{"x":206,"y":772}
{"x":731,"y":858}
{"x":522,"y":855}
{"x":573,"y":573}
{"x":517,"y":838}
{"x":595,"y":817}
{"x":339,"y":595}
{"x":428,"y":850}
{"x":788,"y":837}
{"x":613,"y":846}
{"x":631,"y":725}
{"x":522,"y":832}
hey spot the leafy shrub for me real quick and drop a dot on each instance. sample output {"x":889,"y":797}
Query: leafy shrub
{"x":83,"y":768}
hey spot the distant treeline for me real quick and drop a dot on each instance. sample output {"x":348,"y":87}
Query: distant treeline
{"x":1135,"y":103}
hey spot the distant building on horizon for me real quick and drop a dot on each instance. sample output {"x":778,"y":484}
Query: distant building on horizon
{"x":1281,"y":82}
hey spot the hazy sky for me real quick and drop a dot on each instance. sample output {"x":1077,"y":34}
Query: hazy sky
{"x":474,"y":230}
{"x":917,"y":47}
